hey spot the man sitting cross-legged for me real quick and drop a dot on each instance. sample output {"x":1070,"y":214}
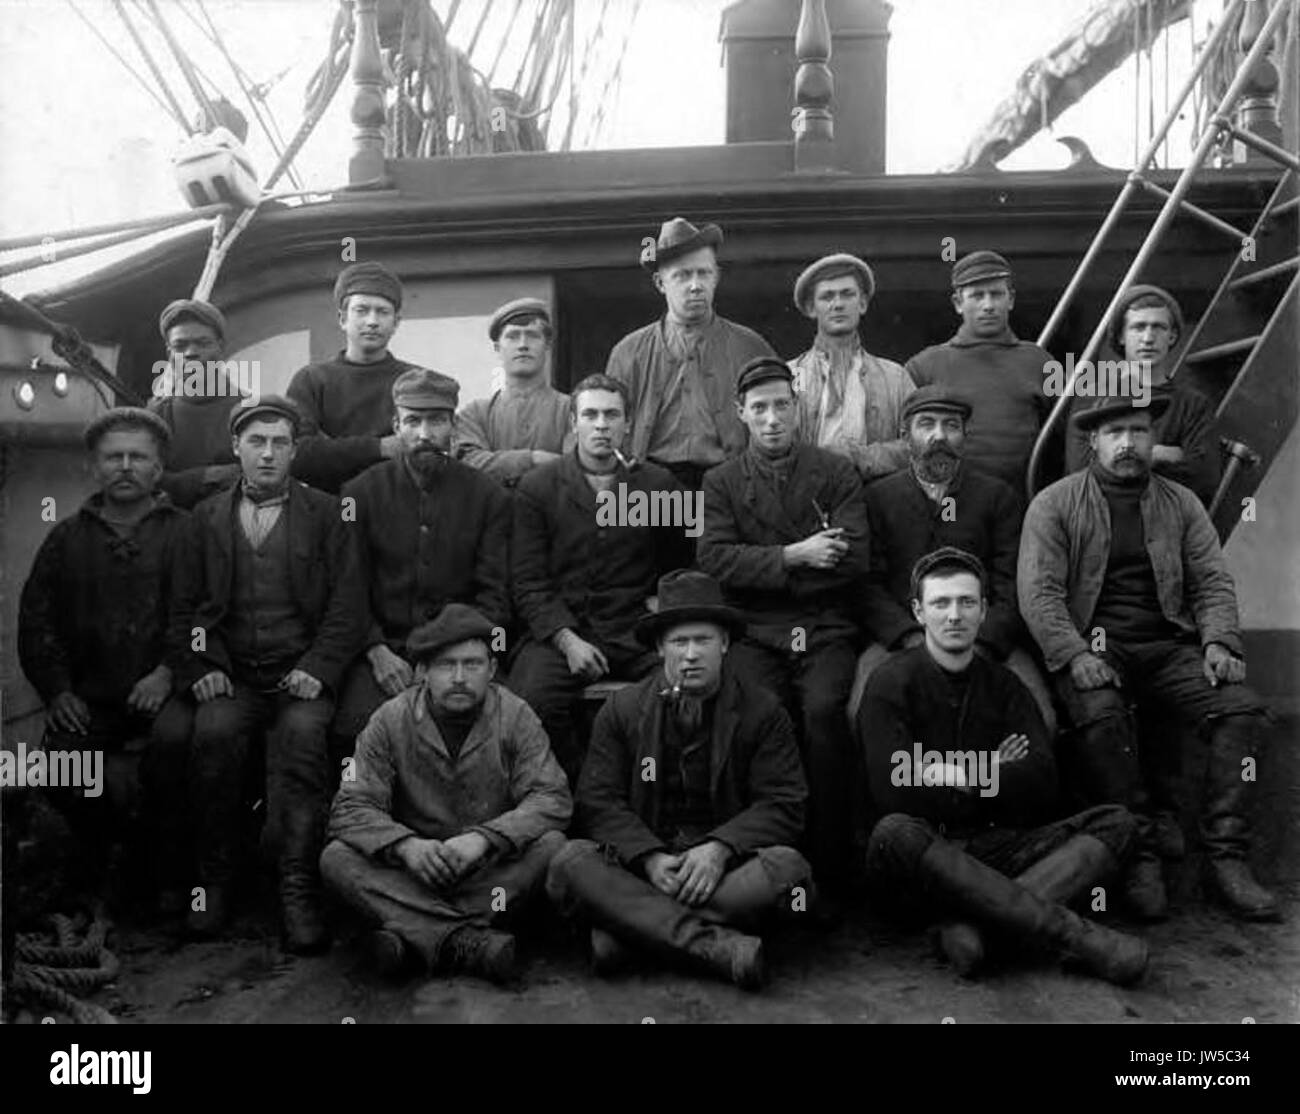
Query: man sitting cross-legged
{"x":454,"y":806}
{"x":959,"y":762}
{"x":691,"y":798}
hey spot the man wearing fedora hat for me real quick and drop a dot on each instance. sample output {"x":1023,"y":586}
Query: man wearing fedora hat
{"x":1145,"y":331}
{"x":690,"y":802}
{"x":1002,"y":376}
{"x":455,"y":806}
{"x":848,"y":399}
{"x":271,"y":584}
{"x":525,"y":422}
{"x":346,"y":402}
{"x":785,"y":533}
{"x":198,"y":460}
{"x":680,"y":371}
{"x":431,"y":531}
{"x":936,"y":502}
{"x":1123,"y":584}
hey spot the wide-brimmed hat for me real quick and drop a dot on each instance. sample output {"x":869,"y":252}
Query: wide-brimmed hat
{"x":687,"y":596}
{"x":1102,"y":409}
{"x":677,"y":237}
{"x":831,"y":266}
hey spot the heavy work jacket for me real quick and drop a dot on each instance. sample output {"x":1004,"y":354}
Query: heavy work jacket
{"x":323,"y":569}
{"x":747,"y":523}
{"x":757,"y":783}
{"x":422,"y":549}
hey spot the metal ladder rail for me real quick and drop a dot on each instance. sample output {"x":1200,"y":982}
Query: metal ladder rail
{"x":1174,"y":203}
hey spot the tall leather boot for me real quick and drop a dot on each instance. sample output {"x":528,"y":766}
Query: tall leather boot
{"x":1225,"y":821}
{"x":300,"y":909}
{"x":992,"y":898}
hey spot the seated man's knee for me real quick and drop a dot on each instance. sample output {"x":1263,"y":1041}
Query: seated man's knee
{"x":340,"y":863}
{"x":1113,"y":825}
{"x":897,"y":843}
{"x":785,"y":867}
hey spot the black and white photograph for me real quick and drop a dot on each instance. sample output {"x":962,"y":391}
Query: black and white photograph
{"x":626,"y":512}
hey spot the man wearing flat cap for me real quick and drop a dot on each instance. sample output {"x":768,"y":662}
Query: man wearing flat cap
{"x":346,"y":402}
{"x":785,"y":534}
{"x":271,"y":611}
{"x":1145,"y":331}
{"x":680,"y":371}
{"x":690,"y":803}
{"x":1124,"y":587}
{"x":525,"y":422}
{"x":94,"y":620}
{"x":938,"y":502}
{"x":848,"y":399}
{"x":1001,"y":376}
{"x":442,"y":830}
{"x":194,"y":399}
{"x":431,"y":531}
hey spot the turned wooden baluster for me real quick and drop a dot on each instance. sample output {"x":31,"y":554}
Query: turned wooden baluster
{"x":1257,"y":110}
{"x":366,"y":167}
{"x":814,"y":86}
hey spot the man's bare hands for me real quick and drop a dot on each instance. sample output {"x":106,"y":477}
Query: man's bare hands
{"x":68,"y":712}
{"x":822,"y":550}
{"x":211,"y":685}
{"x":1088,"y":671}
{"x":391,"y":672}
{"x":467,"y":850}
{"x":429,"y":860}
{"x":1012,"y":749}
{"x":150,"y":692}
{"x":1221,"y":667}
{"x":701,"y":870}
{"x":301,"y":685}
{"x":584,"y":659}
{"x":661,"y":870}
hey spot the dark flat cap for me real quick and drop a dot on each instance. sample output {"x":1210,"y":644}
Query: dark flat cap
{"x":457,"y":622}
{"x":265,"y":407}
{"x":368,"y":278}
{"x":511,"y":311}
{"x":1115,"y":332}
{"x":205,"y":312}
{"x":979,"y":266}
{"x":1094,"y":411}
{"x":831,"y":266}
{"x":949,"y":556}
{"x":677,"y":237}
{"x":762,"y":369}
{"x":943,"y":399}
{"x":127,"y":417}
{"x":422,"y":388}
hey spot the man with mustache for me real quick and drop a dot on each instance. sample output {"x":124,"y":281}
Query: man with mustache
{"x":526,"y":421}
{"x":690,"y":801}
{"x":432,"y":531}
{"x":998,"y":373}
{"x":345,"y":402}
{"x":94,"y":621}
{"x":848,"y":399}
{"x":680,"y":371}
{"x":1145,"y":330}
{"x":443,"y":833}
{"x":979,"y":836}
{"x":938,"y":502}
{"x":1123,"y":585}
{"x":270,"y":583}
{"x":786,"y":535}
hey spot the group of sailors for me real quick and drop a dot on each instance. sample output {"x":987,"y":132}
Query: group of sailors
{"x":847,"y":673}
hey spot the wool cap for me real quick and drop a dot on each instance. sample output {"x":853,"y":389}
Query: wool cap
{"x":457,"y":622}
{"x":192,"y":307}
{"x":831,"y":266}
{"x":368,"y":278}
{"x":264,"y":406}
{"x":124,"y":417}
{"x":762,"y":369}
{"x":979,"y":266}
{"x":511,"y":311}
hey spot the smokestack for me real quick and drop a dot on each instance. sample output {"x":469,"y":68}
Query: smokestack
{"x":758,"y":44}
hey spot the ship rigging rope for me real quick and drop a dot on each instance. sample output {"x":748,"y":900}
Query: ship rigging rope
{"x":46,"y":973}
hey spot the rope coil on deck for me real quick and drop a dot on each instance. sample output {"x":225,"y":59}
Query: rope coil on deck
{"x":47,"y":973}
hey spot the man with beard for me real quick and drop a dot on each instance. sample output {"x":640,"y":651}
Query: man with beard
{"x":432,"y":531}
{"x":1124,"y":586}
{"x":270,"y":584}
{"x":455,"y":808}
{"x":93,"y":638}
{"x":785,"y":533}
{"x":526,"y":422}
{"x":999,"y":374}
{"x":680,"y":371}
{"x":959,"y":762}
{"x":345,"y":402}
{"x":848,"y":399}
{"x":1146,"y":328}
{"x":581,"y":577}
{"x":690,"y":801}
{"x":940,"y":502}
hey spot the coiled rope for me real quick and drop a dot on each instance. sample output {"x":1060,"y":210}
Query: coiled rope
{"x":46,"y":973}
